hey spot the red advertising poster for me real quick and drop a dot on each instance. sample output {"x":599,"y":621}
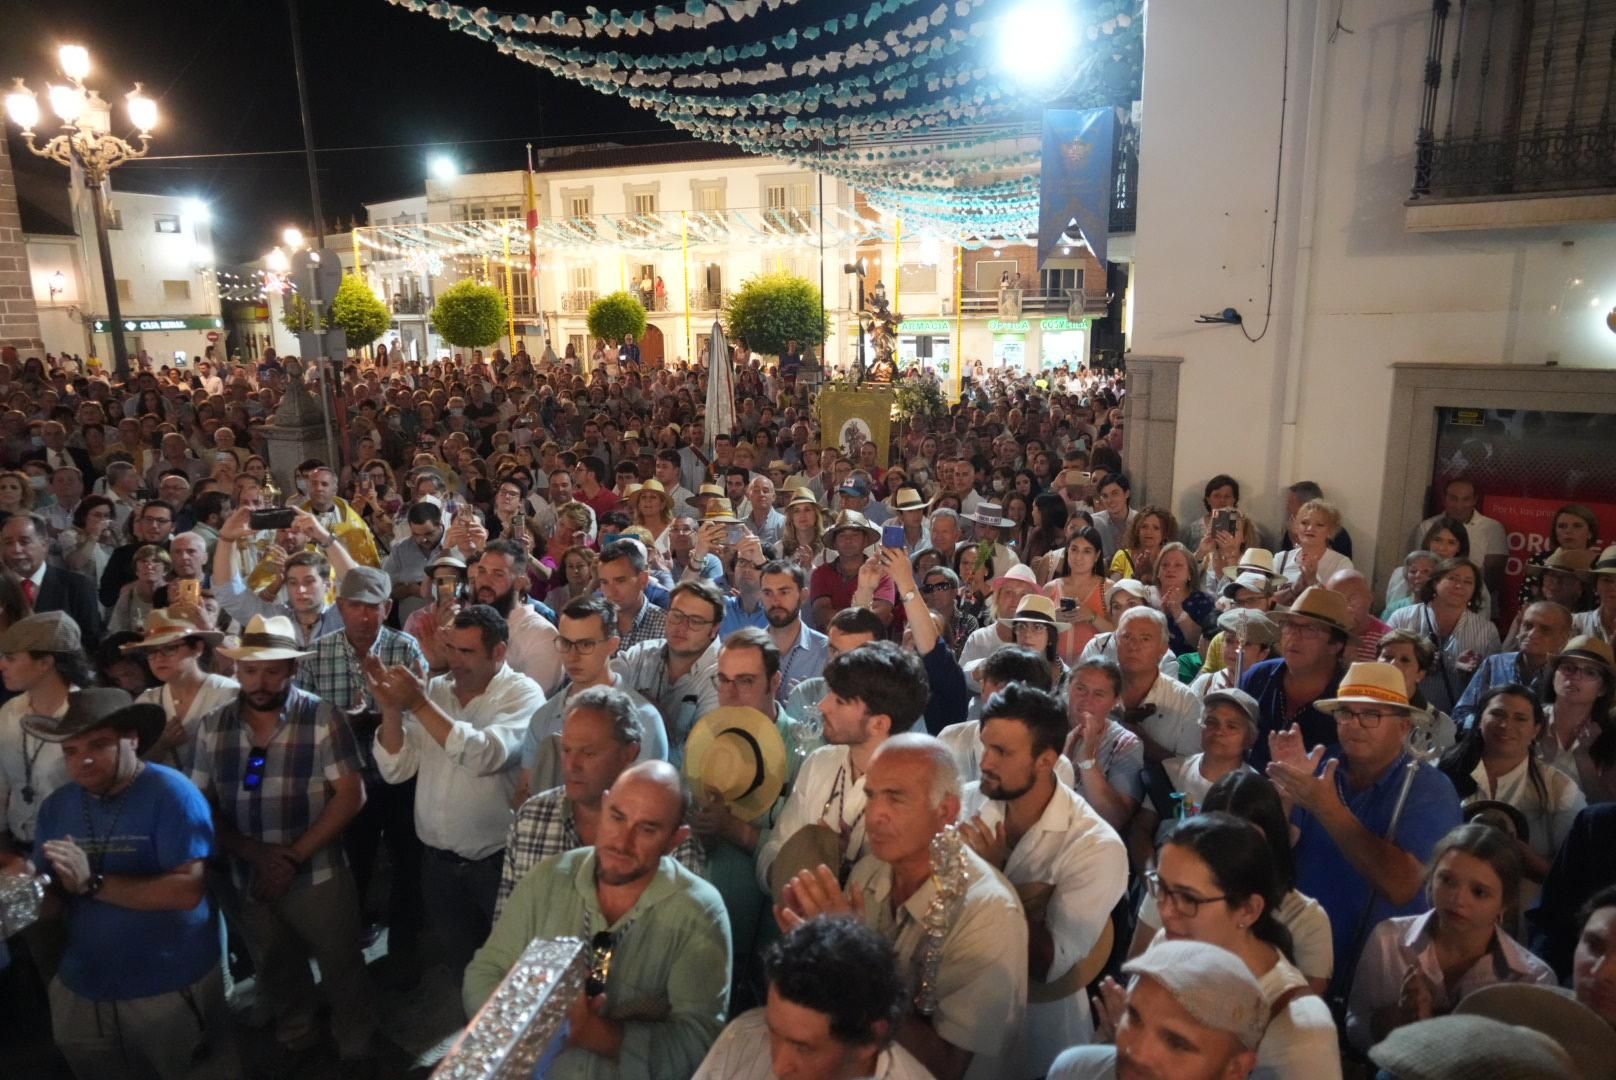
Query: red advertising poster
{"x":1528,"y":524}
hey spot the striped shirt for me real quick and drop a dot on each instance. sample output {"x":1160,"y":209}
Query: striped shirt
{"x":1473,"y":633}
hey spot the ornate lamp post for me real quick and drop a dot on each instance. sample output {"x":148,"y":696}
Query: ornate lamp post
{"x":86,"y":140}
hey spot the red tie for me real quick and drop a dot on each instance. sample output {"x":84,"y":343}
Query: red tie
{"x":29,"y":590}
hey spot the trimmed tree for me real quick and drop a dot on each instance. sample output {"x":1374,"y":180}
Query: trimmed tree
{"x":617,"y":314}
{"x":470,"y":315}
{"x":358,"y":312}
{"x":772,"y":309}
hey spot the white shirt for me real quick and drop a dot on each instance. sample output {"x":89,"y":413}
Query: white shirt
{"x":1548,"y":819}
{"x":532,"y":649}
{"x":982,"y":643}
{"x":215,"y":692}
{"x":982,"y":980}
{"x":964,"y":741}
{"x":1103,"y":646}
{"x":463,"y":796}
{"x":26,"y":763}
{"x":1311,"y":939}
{"x":741,"y":1052}
{"x":1074,"y":849}
{"x":825,"y":792}
{"x":1176,"y":724}
{"x":1300,"y":1042}
{"x":1331,"y":562}
{"x":1587,"y":623}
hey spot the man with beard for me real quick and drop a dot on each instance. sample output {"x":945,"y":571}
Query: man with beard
{"x":1067,"y":864}
{"x":407,"y":562}
{"x":462,"y":746}
{"x":744,"y":607}
{"x":658,"y":933}
{"x":804,"y":651}
{"x":1193,"y":1012}
{"x":676,"y":674}
{"x":282,"y":772}
{"x":499,"y":580}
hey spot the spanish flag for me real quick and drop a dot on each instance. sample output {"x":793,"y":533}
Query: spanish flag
{"x":530,"y":188}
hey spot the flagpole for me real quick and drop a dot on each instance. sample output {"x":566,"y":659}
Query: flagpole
{"x":510,"y":300}
{"x":532,"y":214}
{"x":684,"y":266}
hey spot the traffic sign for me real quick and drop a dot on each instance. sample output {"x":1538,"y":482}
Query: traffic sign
{"x":213,"y":335}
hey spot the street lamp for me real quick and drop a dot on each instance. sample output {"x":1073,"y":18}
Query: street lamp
{"x":86,"y":140}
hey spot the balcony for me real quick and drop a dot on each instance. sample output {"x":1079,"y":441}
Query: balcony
{"x":1015,"y":303}
{"x":1516,"y":121}
{"x":409,"y":305}
{"x":578,"y":300}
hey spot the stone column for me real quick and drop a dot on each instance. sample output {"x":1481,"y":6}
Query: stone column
{"x":1150,"y":428}
{"x":295,"y":434}
{"x":19,"y":318}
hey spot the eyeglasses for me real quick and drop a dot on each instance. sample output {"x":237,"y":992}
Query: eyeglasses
{"x":1579,"y":671}
{"x":173,"y":649}
{"x":937,"y":587}
{"x":582,"y":646}
{"x":1184,"y":902}
{"x":1368,"y":719}
{"x":253,"y":778}
{"x":600,"y":963}
{"x":679,"y":618}
{"x":745,"y":682}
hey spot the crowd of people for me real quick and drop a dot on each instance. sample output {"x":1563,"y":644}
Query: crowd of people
{"x":938,"y":760}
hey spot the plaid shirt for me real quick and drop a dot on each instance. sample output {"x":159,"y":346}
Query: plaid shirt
{"x":310,"y":750}
{"x":544,"y":826}
{"x":651,"y":624}
{"x":333,"y":674}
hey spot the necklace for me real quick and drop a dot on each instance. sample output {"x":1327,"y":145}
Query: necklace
{"x":28,"y":760}
{"x":96,"y":844}
{"x":844,"y":828}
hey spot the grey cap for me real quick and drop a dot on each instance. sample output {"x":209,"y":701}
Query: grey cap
{"x":1254,"y":626}
{"x":1238,"y":698}
{"x":49,"y":631}
{"x":1213,"y":985}
{"x":365,"y":584}
{"x":1471,"y":1048}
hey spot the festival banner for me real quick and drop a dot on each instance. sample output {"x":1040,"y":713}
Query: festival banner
{"x":1529,"y":528}
{"x":1074,"y":185}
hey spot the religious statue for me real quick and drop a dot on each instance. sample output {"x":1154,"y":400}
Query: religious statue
{"x":880,"y":322}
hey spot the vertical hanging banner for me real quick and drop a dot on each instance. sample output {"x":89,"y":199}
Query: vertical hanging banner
{"x":1074,"y":183}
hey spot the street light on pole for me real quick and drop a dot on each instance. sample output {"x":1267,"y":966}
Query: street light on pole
{"x":86,"y":140}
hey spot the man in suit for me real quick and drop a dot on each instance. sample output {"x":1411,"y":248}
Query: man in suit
{"x":56,"y":454}
{"x":24,"y":540}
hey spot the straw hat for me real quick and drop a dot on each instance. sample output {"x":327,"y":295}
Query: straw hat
{"x":1371,"y":683}
{"x":162,"y":628}
{"x":908,"y":498}
{"x":654,"y":487}
{"x":1577,"y":563}
{"x":1606,"y":563}
{"x":802,"y":496}
{"x":991,"y":515}
{"x":1585,"y":647}
{"x":809,"y":848}
{"x":1253,"y":561}
{"x":709,"y":491}
{"x":778,"y":466}
{"x":1470,"y":1048}
{"x":100,"y":707}
{"x":1035,"y":608}
{"x":738,"y":753}
{"x":1318,"y":605}
{"x":273,"y":638}
{"x":718,"y":512}
{"x":852,"y":519}
{"x":1582,"y":1033}
{"x":1068,"y":478}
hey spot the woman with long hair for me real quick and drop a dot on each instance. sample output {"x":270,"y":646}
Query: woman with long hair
{"x":1579,"y":691}
{"x":1046,"y":533}
{"x":1149,"y":531}
{"x":1082,"y":587}
{"x":1449,"y":612}
{"x":653,"y":511}
{"x":1575,"y":528}
{"x":177,"y":652}
{"x":1414,"y":967}
{"x":16,"y":492}
{"x":1497,"y":760}
{"x":1035,"y":628}
{"x":1191,"y":613}
{"x":804,"y":536}
{"x":1252,"y":797}
{"x":1018,"y":508}
{"x":1215,"y":882}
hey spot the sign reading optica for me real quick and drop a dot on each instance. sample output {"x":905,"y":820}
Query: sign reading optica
{"x":1009,"y":326}
{"x":147,"y":324}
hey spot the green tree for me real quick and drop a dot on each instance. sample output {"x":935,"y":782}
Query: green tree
{"x":297,"y":314}
{"x":470,"y":315}
{"x":772,"y":309}
{"x":617,"y":314}
{"x":358,"y":312}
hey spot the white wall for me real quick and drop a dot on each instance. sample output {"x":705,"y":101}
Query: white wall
{"x":1354,"y":292}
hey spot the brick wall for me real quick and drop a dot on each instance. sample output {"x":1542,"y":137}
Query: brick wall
{"x":19,"y":319}
{"x":1026,"y":258}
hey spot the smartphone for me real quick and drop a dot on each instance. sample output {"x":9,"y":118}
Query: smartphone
{"x":1226,"y":520}
{"x":892,"y":536}
{"x":275,"y":517}
{"x":734,"y":534}
{"x":186,"y":591}
{"x":1068,"y":604}
{"x":608,"y":539}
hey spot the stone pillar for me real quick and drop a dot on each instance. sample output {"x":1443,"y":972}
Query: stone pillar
{"x":1150,"y":428}
{"x":19,"y":318}
{"x":295,"y":434}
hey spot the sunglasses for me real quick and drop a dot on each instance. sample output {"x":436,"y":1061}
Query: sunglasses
{"x":937,"y":587}
{"x":600,"y":963}
{"x":253,"y":778}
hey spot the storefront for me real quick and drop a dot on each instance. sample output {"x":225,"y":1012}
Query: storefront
{"x":175,"y":341}
{"x":928,"y":342}
{"x":1010,"y":343}
{"x":1063,"y":342}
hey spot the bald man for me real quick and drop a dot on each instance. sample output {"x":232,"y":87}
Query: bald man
{"x":1367,"y":630}
{"x":1545,"y":628}
{"x":657,"y":931}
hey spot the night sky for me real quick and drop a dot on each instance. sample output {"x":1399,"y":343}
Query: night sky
{"x":379,"y":76}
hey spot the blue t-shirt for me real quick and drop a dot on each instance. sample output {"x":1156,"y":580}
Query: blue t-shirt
{"x":735,"y":618}
{"x":114,"y":953}
{"x":1266,"y":683}
{"x":1324,"y":873}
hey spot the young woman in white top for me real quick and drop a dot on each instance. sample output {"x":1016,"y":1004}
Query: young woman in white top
{"x":1312,"y":561}
{"x":1215,"y":882}
{"x":1415,"y":967}
{"x":1449,"y":612}
{"x":176,"y":650}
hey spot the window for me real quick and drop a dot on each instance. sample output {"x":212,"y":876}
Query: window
{"x":166,"y":223}
{"x":1058,"y":282}
{"x":521,"y":291}
{"x":125,"y":293}
{"x":645,"y":203}
{"x":989,"y":272}
{"x":476,"y":213}
{"x":709,"y":197}
{"x":175,"y":291}
{"x":774,"y":197}
{"x":580,"y":344}
{"x":582,"y":278}
{"x":580,"y":206}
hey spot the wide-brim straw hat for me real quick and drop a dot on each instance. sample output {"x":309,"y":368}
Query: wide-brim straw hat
{"x":1372,"y":683}
{"x":801,"y":496}
{"x":1320,"y":606}
{"x":100,"y":707}
{"x":1035,"y":608}
{"x":654,"y":487}
{"x":273,"y":638}
{"x":1254,"y":561}
{"x":908,"y":498}
{"x":1582,"y":1033}
{"x":163,"y":628}
{"x":1578,"y":563}
{"x":852,"y":519}
{"x":1606,"y":563}
{"x":1585,"y":647}
{"x":718,"y":511}
{"x":738,"y":753}
{"x":710,"y":491}
{"x":809,"y":848}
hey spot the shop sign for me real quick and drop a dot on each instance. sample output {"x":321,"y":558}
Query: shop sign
{"x":1061,"y":322}
{"x":923,"y":326}
{"x":146,"y":324}
{"x":1009,"y":326}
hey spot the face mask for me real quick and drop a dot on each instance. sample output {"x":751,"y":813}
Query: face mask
{"x":457,"y":412}
{"x":302,"y":486}
{"x":1001,"y":485}
{"x":37,"y":441}
{"x":395,"y":422}
{"x":38,"y":482}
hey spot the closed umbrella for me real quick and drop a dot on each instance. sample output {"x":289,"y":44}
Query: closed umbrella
{"x":720,"y":387}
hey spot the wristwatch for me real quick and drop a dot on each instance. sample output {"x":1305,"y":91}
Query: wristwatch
{"x":908,"y":596}
{"x":1086,"y":763}
{"x":93,"y":886}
